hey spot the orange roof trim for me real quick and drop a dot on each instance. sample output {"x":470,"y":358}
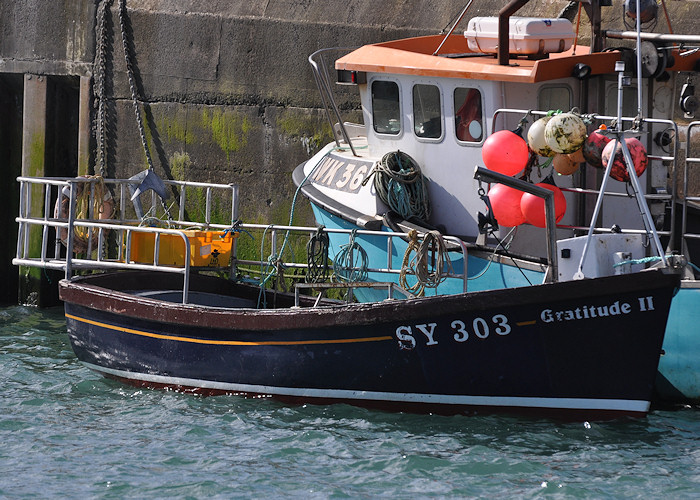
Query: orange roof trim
{"x":413,"y":56}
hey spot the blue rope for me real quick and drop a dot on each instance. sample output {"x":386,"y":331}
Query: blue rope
{"x":236,"y":228}
{"x":652,"y":259}
{"x":638,"y":261}
{"x":273,"y":259}
{"x":350,"y":264}
{"x":267,"y":271}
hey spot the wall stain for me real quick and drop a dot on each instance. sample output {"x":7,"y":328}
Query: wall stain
{"x":228,"y":129}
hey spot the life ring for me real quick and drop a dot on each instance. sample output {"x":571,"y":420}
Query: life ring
{"x":103,"y":209}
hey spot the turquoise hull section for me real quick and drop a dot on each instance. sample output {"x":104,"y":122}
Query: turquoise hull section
{"x":483,"y":274}
{"x":679,"y":368}
{"x":680,"y":364}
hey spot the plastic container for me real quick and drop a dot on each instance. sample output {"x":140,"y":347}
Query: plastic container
{"x":527,"y":35}
{"x":207,"y":248}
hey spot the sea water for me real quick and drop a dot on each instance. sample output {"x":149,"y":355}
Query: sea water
{"x":66,"y":432}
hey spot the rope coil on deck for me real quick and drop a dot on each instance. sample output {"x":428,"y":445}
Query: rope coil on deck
{"x":350,"y":263}
{"x":94,"y":203}
{"x":399,"y":183}
{"x":433,"y":243}
{"x":317,"y":257}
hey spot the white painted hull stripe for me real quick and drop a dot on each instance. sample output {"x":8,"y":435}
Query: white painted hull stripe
{"x":342,"y":394}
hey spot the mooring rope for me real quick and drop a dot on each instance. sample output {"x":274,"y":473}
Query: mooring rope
{"x":400,"y":184}
{"x":317,"y":257}
{"x":350,"y":263}
{"x":655,"y":258}
{"x":415,"y":262}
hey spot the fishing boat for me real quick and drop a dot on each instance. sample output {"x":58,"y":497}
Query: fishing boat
{"x":436,"y":107}
{"x":172,"y":308}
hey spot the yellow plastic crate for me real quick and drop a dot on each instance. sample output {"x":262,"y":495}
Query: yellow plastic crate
{"x":207,"y":248}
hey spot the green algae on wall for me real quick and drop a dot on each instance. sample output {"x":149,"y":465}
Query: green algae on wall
{"x":31,"y":276}
{"x":307,"y":128}
{"x":176,"y":128}
{"x":37,"y":151}
{"x":228,"y":128}
{"x":180,"y":163}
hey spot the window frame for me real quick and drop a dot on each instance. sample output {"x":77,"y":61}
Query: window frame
{"x":372,"y":111}
{"x":441,"y":94}
{"x":484,"y":127}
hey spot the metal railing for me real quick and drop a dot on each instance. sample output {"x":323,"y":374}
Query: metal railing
{"x":657,"y":197}
{"x":319,"y":68}
{"x":47,"y":238}
{"x":689,"y":160}
{"x":48,"y":224}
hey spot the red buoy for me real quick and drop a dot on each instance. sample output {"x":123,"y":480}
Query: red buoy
{"x":505,"y":204}
{"x":532,"y":206}
{"x":593,"y":148}
{"x":619,"y":170}
{"x":505,"y":152}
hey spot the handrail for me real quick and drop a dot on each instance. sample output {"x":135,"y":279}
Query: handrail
{"x":454,"y":26}
{"x":686,"y":174}
{"x":65,"y":260}
{"x":653,"y":37}
{"x":57,"y":188}
{"x":324,"y":87}
{"x":490,"y":176}
{"x":673,"y":196}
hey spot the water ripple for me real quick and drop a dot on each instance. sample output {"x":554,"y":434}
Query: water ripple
{"x":68,"y":432}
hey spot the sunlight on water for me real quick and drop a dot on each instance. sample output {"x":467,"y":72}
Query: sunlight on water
{"x":67,"y":432}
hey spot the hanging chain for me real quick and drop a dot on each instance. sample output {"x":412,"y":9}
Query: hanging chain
{"x":99,"y":85}
{"x":132,"y":85}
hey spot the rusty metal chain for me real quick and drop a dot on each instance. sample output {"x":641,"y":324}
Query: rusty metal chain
{"x":99,"y":85}
{"x":132,"y":84}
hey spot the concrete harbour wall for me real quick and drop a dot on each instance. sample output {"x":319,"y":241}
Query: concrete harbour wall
{"x":228,"y":95}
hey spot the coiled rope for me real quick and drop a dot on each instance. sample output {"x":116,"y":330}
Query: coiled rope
{"x":350,"y":263}
{"x":415,"y":262}
{"x":317,"y":257}
{"x":400,"y":184}
{"x":101,"y":201}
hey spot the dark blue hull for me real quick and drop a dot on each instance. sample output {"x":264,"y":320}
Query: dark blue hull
{"x":588,"y":349}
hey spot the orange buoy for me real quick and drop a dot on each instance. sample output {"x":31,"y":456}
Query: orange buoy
{"x":505,"y":205}
{"x":505,"y":152}
{"x":565,"y":164}
{"x":619,"y":170}
{"x":577,"y":157}
{"x":532,"y":206}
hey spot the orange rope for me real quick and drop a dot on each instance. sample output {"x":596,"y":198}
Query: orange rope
{"x":578,"y":23}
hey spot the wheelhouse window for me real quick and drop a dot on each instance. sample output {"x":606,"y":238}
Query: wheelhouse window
{"x":468,"y":116}
{"x":553,"y":98}
{"x":427,"y":118}
{"x":386,"y":110}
